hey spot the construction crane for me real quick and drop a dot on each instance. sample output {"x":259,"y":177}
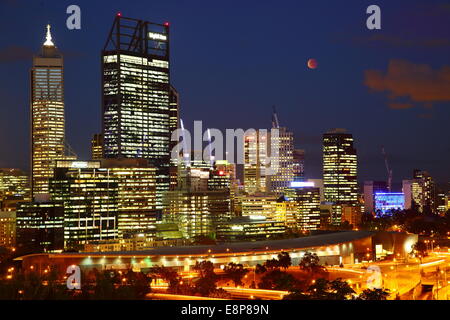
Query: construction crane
{"x":389,"y":170}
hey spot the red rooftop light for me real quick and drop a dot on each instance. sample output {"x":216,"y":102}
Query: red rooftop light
{"x":119,"y":14}
{"x":166,"y":24}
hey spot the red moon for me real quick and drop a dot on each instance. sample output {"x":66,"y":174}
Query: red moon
{"x":312,"y":63}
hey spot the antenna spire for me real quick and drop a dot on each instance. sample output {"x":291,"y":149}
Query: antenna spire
{"x":48,"y":38}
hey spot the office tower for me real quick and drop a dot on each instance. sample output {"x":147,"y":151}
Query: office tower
{"x":370,"y":189}
{"x":352,"y":214}
{"x":308,"y":206}
{"x":281,"y":149}
{"x":250,"y":229}
{"x":339,"y":171}
{"x":107,"y":199}
{"x":425,"y":190}
{"x":40,"y":227}
{"x":193,"y":173}
{"x":136,"y":91}
{"x":299,"y":164}
{"x":255,"y":161}
{"x":318,"y":183}
{"x":196,"y":205}
{"x":197,"y":213}
{"x":136,"y":208}
{"x":441,"y":202}
{"x":89,"y":196}
{"x":47,"y":115}
{"x":174,"y":112}
{"x":259,"y":205}
{"x":224,"y":177}
{"x":97,"y":147}
{"x":7,"y":229}
{"x":14,"y":183}
{"x":286,"y":211}
{"x":282,"y":160}
{"x":174,"y":124}
{"x":193,"y":206}
{"x":420,"y":192}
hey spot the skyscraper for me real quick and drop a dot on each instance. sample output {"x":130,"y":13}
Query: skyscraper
{"x":281,"y":149}
{"x":47,"y":115}
{"x":339,"y":171}
{"x":255,"y":158}
{"x":136,"y":90}
{"x":282,"y":160}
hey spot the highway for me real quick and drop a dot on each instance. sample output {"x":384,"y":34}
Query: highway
{"x":404,"y":279}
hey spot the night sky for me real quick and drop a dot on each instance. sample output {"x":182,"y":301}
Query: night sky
{"x":232,"y":60}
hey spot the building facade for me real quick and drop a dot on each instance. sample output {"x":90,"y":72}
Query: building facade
{"x":255,"y":161}
{"x":47,"y":115}
{"x":339,"y":171}
{"x":97,"y":147}
{"x":7,"y":229}
{"x":136,"y":95}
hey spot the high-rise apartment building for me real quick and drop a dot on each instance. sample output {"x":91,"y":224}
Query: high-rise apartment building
{"x":339,"y":171}
{"x":47,"y":115}
{"x":136,"y":95}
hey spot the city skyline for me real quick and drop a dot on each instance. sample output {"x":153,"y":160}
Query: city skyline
{"x":179,"y":183}
{"x":307,"y":133}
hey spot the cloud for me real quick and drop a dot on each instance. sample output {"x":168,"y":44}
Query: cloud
{"x":400,"y":106}
{"x":376,"y":40}
{"x":418,"y":83}
{"x":15,"y":53}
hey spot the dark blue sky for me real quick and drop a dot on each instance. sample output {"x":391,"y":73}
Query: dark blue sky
{"x":233,"y":60}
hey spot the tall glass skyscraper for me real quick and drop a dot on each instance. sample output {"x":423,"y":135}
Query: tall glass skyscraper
{"x":339,"y":171}
{"x":136,"y":90}
{"x":47,"y":115}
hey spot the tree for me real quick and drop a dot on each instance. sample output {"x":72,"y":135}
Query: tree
{"x":271,"y":264}
{"x":260,"y":269}
{"x":324,"y":289}
{"x":235,"y":272}
{"x":284,"y":260}
{"x":420,"y":248}
{"x":168,"y":275}
{"x":310,"y":262}
{"x":279,"y":280}
{"x":206,"y":284}
{"x":374,"y":294}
